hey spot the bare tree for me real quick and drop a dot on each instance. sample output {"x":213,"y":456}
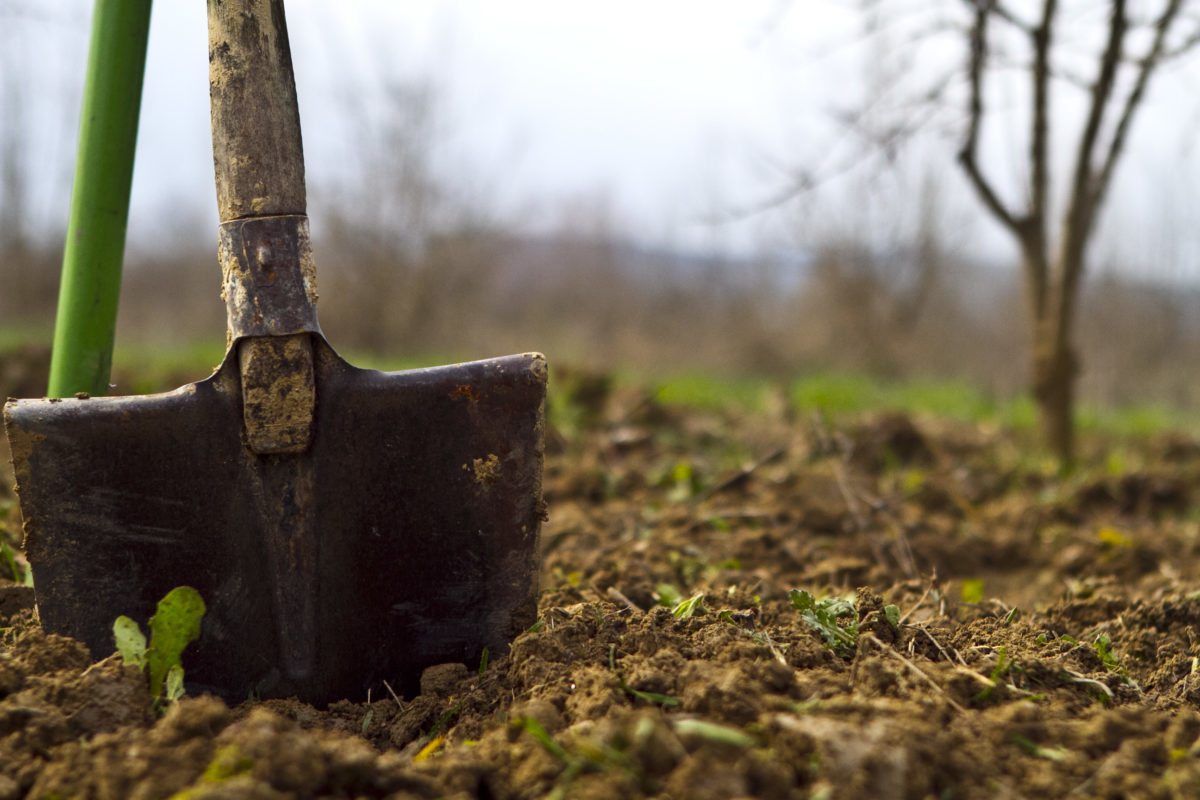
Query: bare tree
{"x":1053,"y":250}
{"x":1103,"y":51}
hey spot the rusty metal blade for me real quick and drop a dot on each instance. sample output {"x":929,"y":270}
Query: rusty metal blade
{"x":406,"y":536}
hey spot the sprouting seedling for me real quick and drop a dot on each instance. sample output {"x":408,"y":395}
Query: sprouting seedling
{"x":1103,"y":646}
{"x":684,"y":608}
{"x":824,"y":616}
{"x":691,"y":607}
{"x":175,"y":625}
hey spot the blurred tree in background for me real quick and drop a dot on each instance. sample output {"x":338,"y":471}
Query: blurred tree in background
{"x":1086,"y":69}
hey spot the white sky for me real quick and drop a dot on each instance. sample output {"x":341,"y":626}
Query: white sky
{"x":661,"y":107}
{"x":667,"y":110}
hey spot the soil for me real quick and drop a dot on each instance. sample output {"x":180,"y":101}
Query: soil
{"x":1014,"y":632}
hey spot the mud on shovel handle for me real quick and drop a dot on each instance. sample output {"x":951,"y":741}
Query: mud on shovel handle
{"x":269,"y":281}
{"x":91,"y":273}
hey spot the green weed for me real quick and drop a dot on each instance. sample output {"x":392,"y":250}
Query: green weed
{"x":834,"y":618}
{"x":175,"y":625}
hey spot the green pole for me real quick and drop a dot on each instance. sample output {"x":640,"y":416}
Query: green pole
{"x":91,"y":271}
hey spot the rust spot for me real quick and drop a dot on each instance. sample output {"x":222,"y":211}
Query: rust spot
{"x":465,"y":390}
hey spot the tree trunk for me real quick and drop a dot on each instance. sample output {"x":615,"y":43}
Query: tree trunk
{"x":1055,"y":368}
{"x":1054,"y":362}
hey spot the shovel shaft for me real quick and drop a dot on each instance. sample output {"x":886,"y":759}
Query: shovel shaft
{"x":259,"y":165}
{"x":91,"y":272}
{"x":257,"y":152}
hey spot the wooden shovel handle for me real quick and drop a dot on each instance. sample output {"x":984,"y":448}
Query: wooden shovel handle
{"x":257,"y":152}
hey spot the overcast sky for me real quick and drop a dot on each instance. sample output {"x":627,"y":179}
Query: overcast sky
{"x":666,"y":111}
{"x":666,"y":108}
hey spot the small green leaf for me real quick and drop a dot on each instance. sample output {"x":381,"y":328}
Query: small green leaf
{"x":720,"y":734}
{"x":174,"y":683}
{"x":174,"y":626}
{"x":690,"y":607}
{"x":892,"y":613}
{"x":972,"y":590}
{"x":130,"y":641}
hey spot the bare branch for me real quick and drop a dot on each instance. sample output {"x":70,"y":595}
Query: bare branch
{"x":1005,"y":13}
{"x":968,"y":155}
{"x":1149,"y":64}
{"x":1040,"y":124}
{"x":1002,"y":12}
{"x":1080,"y":210}
{"x":1185,"y":47}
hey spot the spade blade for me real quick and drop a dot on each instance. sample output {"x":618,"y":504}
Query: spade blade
{"x":406,"y":536}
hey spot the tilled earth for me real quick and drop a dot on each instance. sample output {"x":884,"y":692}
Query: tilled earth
{"x":1002,"y":631}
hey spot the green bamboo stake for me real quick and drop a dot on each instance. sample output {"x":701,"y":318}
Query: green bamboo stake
{"x":91,"y":274}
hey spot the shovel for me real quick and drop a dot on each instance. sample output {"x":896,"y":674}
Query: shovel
{"x":345,"y":527}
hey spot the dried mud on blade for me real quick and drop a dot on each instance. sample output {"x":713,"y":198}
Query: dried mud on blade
{"x":405,"y":537}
